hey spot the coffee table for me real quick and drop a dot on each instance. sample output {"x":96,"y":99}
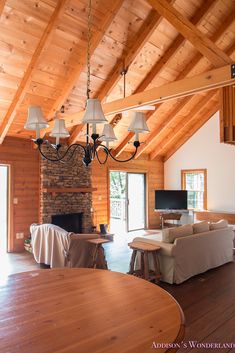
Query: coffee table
{"x":85,"y":310}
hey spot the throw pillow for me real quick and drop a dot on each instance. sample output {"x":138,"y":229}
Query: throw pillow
{"x":201,"y":227}
{"x":219,"y":225}
{"x":170,"y":234}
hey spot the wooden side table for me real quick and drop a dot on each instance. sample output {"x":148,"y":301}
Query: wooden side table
{"x":97,"y":245}
{"x":145,"y":249}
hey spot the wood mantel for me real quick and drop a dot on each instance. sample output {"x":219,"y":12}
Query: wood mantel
{"x":68,"y":190}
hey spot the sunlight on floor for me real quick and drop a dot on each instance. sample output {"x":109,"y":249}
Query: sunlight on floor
{"x":117,"y":252}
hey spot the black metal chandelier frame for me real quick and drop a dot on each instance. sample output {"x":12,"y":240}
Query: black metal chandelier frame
{"x":90,"y":150}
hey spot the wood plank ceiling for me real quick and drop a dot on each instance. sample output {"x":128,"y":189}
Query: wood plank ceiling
{"x":43,"y":62}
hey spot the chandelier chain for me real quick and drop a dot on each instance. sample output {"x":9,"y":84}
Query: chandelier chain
{"x":91,"y":148}
{"x":89,"y":35}
{"x":123,"y":73}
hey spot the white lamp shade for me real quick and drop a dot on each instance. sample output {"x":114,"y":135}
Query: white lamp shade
{"x":35,"y":120}
{"x":138,"y":123}
{"x":59,"y":129}
{"x":108,"y":133}
{"x":94,"y":113}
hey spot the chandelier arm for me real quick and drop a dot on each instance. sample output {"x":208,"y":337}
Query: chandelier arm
{"x":69,"y":162}
{"x":119,"y":160}
{"x":98,"y":158}
{"x":60,"y":158}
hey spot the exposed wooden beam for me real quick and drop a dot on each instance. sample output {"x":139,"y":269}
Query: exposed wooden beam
{"x":2,"y":4}
{"x":157,"y":67}
{"x":203,"y":82}
{"x":25,"y":82}
{"x":74,"y":72}
{"x":207,"y":114}
{"x":227,"y":114}
{"x":160,"y":64}
{"x":173,"y":135}
{"x":139,"y":41}
{"x":203,"y":44}
{"x":177,"y":43}
{"x":159,"y":128}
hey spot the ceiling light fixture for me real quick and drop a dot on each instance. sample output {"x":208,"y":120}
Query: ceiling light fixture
{"x":93,"y":115}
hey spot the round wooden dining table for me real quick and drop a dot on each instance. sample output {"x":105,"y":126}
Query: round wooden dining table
{"x":86,"y":311}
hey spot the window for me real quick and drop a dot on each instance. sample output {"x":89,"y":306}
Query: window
{"x":195,"y":182}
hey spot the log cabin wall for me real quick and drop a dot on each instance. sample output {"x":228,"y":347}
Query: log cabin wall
{"x":24,"y":188}
{"x":100,"y":179}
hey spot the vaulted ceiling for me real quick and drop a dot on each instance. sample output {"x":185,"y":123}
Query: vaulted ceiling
{"x":43,"y":62}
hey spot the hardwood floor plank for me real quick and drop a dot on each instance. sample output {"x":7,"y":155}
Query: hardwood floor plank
{"x":223,"y":334}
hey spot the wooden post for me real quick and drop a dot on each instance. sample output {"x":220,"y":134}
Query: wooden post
{"x":227,"y":115}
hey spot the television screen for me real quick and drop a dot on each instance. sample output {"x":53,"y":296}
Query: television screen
{"x":171,"y":199}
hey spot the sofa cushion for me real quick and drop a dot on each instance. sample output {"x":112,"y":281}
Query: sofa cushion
{"x":219,"y":225}
{"x":201,"y":227}
{"x":170,"y":234}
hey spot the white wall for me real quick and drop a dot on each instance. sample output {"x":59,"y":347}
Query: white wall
{"x":203,"y":150}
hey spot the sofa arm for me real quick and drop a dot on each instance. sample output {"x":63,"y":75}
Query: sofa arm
{"x":166,"y":248}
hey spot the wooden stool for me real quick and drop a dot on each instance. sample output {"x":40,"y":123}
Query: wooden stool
{"x":145,"y":249}
{"x":98,"y":244}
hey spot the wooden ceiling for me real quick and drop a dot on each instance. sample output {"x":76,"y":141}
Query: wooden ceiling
{"x":43,"y":62}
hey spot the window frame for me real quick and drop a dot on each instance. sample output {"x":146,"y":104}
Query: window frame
{"x":183,"y":182}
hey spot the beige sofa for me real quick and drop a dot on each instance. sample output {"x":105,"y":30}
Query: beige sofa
{"x":191,"y":249}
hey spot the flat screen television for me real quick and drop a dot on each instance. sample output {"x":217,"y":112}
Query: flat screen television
{"x":171,"y":200}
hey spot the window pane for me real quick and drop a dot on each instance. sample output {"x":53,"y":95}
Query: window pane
{"x":194,"y":184}
{"x":194,"y":181}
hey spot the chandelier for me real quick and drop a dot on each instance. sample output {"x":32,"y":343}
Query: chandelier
{"x":93,"y":115}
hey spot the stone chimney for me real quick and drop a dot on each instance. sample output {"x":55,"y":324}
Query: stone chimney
{"x":65,"y":176}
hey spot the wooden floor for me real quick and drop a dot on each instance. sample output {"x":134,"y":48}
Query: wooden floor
{"x":208,"y":300}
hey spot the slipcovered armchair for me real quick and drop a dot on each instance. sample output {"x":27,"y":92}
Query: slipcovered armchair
{"x":56,"y":247}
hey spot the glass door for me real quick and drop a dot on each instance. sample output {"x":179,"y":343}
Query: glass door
{"x":136,"y":201}
{"x":3,"y":207}
{"x":118,"y":201}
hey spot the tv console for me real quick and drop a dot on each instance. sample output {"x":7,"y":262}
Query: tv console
{"x":184,"y":216}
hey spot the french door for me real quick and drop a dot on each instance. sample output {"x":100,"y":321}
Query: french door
{"x":136,"y":201}
{"x":127,"y":201}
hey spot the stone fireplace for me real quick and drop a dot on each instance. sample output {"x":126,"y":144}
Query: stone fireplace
{"x":70,"y":178}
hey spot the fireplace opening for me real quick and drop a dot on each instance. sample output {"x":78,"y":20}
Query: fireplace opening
{"x":71,"y":222}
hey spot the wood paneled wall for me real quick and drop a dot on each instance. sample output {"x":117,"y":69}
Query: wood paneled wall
{"x":24,"y":188}
{"x":100,"y":179}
